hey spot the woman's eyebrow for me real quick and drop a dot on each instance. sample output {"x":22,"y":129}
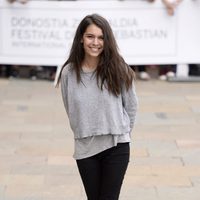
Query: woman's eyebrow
{"x":94,"y":34}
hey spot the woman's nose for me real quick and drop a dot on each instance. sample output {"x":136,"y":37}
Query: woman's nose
{"x":95,"y":41}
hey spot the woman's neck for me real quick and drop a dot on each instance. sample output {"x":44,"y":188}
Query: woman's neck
{"x":90,"y":63}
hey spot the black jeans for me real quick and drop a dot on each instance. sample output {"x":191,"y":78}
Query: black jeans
{"x":103,"y":174}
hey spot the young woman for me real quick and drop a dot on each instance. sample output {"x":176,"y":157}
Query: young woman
{"x":100,"y":100}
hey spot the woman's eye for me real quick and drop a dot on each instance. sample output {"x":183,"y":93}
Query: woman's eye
{"x":93,"y":37}
{"x":89,"y":36}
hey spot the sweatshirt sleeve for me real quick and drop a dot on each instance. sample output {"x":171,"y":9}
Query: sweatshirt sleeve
{"x":130,"y":103}
{"x":64,"y":87}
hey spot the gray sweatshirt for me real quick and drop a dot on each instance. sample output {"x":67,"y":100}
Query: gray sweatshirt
{"x":92,"y":111}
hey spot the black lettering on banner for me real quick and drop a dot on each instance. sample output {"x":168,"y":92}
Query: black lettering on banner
{"x":139,"y":34}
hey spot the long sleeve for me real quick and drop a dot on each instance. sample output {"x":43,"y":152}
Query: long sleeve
{"x":64,"y":88}
{"x":130,"y":103}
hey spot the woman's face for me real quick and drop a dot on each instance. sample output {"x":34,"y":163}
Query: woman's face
{"x":93,"y":42}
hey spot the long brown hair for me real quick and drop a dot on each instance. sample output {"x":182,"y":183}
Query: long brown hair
{"x":111,"y":69}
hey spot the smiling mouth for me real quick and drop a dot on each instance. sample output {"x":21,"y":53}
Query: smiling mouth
{"x":95,"y":49}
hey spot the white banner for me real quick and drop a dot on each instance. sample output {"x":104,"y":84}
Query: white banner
{"x":41,"y":33}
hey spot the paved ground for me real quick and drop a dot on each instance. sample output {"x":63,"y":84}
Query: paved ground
{"x":36,"y":144}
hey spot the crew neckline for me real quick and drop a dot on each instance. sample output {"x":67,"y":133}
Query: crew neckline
{"x":88,"y":72}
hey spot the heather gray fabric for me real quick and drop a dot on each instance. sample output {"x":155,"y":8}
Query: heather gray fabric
{"x":92,"y":111}
{"x":89,"y":146}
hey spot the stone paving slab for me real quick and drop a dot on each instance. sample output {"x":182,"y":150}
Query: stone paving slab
{"x":178,"y":193}
{"x":156,"y":181}
{"x":132,"y":192}
{"x":36,"y":144}
{"x":156,"y":161}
